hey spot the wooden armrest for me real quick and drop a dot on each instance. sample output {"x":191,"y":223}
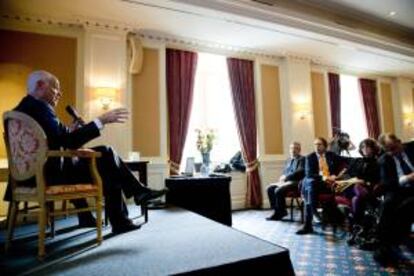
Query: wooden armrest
{"x":74,"y":153}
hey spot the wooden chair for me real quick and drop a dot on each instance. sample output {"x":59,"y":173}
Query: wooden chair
{"x":295,"y":201}
{"x":27,"y":153}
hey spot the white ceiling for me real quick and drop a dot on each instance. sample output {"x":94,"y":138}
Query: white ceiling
{"x":224,"y":23}
{"x":381,"y":8}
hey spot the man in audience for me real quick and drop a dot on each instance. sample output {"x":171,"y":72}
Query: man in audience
{"x":396,"y":214}
{"x":292,"y":174}
{"x":321,"y":169}
{"x":43,"y":95}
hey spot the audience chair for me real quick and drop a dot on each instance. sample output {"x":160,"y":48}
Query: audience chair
{"x":295,"y":197}
{"x":27,"y":153}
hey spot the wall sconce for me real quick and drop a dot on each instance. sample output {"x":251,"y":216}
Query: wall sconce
{"x":106,"y":95}
{"x":302,"y":109}
{"x":409,"y":118}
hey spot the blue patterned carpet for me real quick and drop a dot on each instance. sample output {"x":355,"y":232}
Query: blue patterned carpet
{"x":322,"y":253}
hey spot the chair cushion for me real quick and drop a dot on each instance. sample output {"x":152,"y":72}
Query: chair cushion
{"x":59,"y":189}
{"x":341,"y":200}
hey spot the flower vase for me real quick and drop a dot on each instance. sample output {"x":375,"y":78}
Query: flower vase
{"x":205,"y":167}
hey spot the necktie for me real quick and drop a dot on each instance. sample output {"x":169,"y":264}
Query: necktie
{"x":404,"y":166}
{"x":323,"y":166}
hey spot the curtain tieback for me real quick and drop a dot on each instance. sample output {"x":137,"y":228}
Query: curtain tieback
{"x":175,"y":167}
{"x":251,"y":166}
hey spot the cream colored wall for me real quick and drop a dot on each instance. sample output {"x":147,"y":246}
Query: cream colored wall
{"x":297,"y":91}
{"x":272,"y":117}
{"x":105,"y":65}
{"x":319,"y":102}
{"x":403,"y":105}
{"x":146,"y":107}
{"x":387,"y":110}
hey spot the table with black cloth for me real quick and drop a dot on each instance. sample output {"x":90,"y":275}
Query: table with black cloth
{"x":207,"y":196}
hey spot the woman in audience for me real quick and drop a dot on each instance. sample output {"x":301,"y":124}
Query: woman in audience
{"x":364,"y":173}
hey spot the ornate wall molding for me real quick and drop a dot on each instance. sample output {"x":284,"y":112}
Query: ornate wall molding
{"x":81,"y":22}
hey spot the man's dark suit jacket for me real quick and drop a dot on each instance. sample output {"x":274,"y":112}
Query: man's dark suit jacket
{"x":294,"y":170}
{"x":389,"y":174}
{"x":58,"y":136}
{"x":312,"y":165}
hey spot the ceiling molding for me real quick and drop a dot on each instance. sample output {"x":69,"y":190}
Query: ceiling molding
{"x":79,"y":22}
{"x":297,"y":25}
{"x":85,"y":23}
{"x":190,"y":43}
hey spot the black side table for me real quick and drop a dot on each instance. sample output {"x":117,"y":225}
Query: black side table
{"x":141,"y":168}
{"x":207,"y":196}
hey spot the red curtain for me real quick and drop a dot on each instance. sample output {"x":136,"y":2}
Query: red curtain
{"x":242,"y":86}
{"x":181,"y":66}
{"x":335,"y":100}
{"x":369,"y":98}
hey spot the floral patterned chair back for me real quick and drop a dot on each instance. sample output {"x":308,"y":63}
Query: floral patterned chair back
{"x":26,"y":145}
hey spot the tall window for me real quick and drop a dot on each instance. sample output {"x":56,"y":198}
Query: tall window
{"x":352,"y":111}
{"x":212,"y":109}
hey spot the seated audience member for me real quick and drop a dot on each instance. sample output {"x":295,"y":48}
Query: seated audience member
{"x":43,"y":95}
{"x":396,"y":214}
{"x":292,"y":174}
{"x":362,"y":177}
{"x":321,"y":169}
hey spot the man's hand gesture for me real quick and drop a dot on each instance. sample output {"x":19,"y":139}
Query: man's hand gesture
{"x":118,"y":115}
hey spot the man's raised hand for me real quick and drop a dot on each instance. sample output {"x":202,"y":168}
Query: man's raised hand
{"x":118,"y":115}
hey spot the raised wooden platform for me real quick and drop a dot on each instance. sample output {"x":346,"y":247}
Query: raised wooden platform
{"x":175,"y":241}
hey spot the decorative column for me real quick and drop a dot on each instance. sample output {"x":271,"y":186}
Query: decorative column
{"x":105,"y":67}
{"x":297,"y":103}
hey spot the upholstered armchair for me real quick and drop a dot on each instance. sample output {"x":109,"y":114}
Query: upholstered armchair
{"x":27,"y":153}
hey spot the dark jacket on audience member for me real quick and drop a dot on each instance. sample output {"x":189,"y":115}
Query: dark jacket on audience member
{"x":334,"y":162}
{"x":294,"y":169}
{"x":388,"y":169}
{"x":365,"y":168}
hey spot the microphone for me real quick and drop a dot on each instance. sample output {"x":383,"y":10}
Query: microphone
{"x":75,"y":115}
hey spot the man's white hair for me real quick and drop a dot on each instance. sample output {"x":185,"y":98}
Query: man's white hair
{"x":37,"y":76}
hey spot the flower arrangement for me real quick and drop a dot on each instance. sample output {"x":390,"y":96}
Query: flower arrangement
{"x":205,"y":140}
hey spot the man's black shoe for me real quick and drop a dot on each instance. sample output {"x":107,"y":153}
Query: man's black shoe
{"x":385,"y":257}
{"x":305,"y":230}
{"x":148,"y":195}
{"x":125,"y":228}
{"x":86,"y":220}
{"x":276,"y":217}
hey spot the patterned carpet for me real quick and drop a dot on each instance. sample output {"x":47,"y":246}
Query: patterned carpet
{"x":322,"y":253}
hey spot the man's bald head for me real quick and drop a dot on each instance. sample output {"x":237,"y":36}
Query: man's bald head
{"x":44,"y":86}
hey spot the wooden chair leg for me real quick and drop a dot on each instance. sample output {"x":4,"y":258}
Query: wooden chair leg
{"x":98,"y":202}
{"x":42,"y":230}
{"x":291,"y":208}
{"x":144,"y":210}
{"x":11,"y":221}
{"x":25,"y":210}
{"x":52,"y":219}
{"x":302,"y":211}
{"x":65,"y":207}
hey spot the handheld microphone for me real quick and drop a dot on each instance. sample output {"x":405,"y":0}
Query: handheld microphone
{"x":74,"y":114}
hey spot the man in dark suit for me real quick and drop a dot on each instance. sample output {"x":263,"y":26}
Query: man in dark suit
{"x":321,"y":170}
{"x":397,"y":179}
{"x":288,"y":181}
{"x":43,"y":96}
